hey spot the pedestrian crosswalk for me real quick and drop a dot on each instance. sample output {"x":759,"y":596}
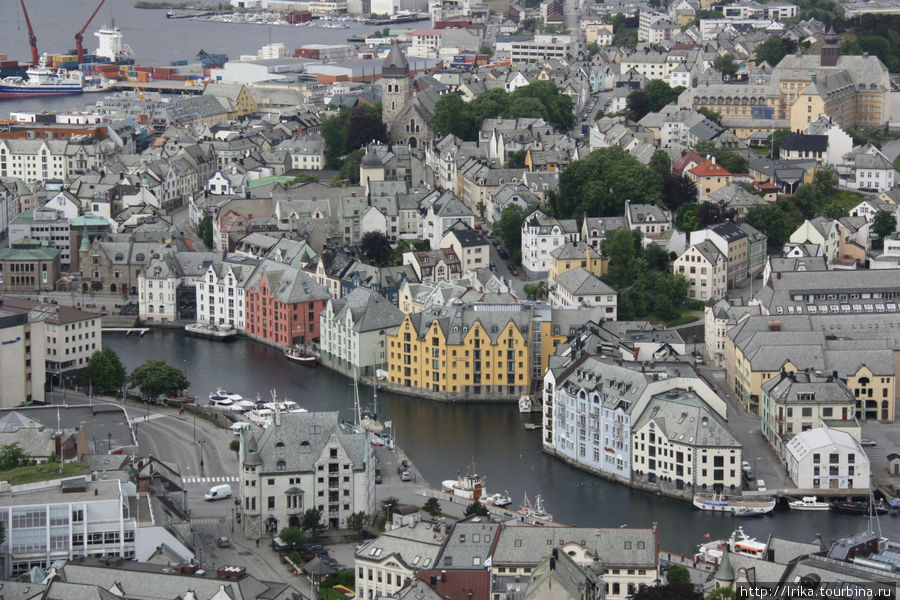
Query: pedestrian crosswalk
{"x":209,"y":521}
{"x":221,"y":479}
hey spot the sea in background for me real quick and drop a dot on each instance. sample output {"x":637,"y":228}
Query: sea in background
{"x":155,"y":39}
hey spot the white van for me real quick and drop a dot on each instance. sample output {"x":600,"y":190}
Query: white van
{"x":218,"y":492}
{"x":239,"y":426}
{"x":760,"y":485}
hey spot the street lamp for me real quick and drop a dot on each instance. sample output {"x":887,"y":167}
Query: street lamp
{"x":202,"y":444}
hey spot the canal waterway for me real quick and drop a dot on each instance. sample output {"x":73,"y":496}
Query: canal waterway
{"x":442,"y":439}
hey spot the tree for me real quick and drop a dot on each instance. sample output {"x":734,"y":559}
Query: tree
{"x":734,"y":163}
{"x":687,"y":217}
{"x":235,"y":446}
{"x":450,"y":116}
{"x":509,"y":229}
{"x":311,"y":522}
{"x":357,"y":522}
{"x":711,"y":115}
{"x":364,"y":126}
{"x":12,"y":456}
{"x":477,"y":509}
{"x":677,"y":191}
{"x":775,"y":142}
{"x":156,"y":378}
{"x":349,"y":170}
{"x":667,"y":592}
{"x":481,"y":207}
{"x":432,"y":506}
{"x":486,"y":49}
{"x":726,"y":64}
{"x":375,"y":246}
{"x":293,"y":536}
{"x":659,"y":94}
{"x":676,"y":575}
{"x":388,"y":505}
{"x":104,"y":370}
{"x":712,"y":213}
{"x":205,"y":231}
{"x":661,"y":163}
{"x":516,"y":159}
{"x":884,"y":224}
{"x":773,"y":50}
{"x":334,"y":132}
{"x":637,"y":105}
{"x":593,"y":48}
{"x":622,"y":246}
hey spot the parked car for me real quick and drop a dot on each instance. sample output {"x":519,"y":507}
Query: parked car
{"x":405,"y":476}
{"x":867,"y":442}
{"x":378,"y":477}
{"x":760,"y":485}
{"x":223,"y":542}
{"x":502,"y":253}
{"x":748,"y":474}
{"x":311,"y":554}
{"x":513,"y":270}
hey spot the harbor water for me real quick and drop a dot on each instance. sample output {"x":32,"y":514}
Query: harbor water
{"x":443,"y":439}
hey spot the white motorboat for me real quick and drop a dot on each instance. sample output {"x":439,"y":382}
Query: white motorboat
{"x":808,"y":503}
{"x":525,"y":404}
{"x":737,"y":543}
{"x":738,"y":506}
{"x":261,"y":416}
{"x":469,"y":486}
{"x":242,"y":406}
{"x":209,"y":331}
{"x":219,"y":402}
{"x":502,"y":500}
{"x":226,"y":394}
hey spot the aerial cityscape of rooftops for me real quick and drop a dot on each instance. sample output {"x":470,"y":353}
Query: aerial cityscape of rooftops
{"x":642,"y":258}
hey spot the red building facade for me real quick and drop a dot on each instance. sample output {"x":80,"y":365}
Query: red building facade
{"x":282,"y":305}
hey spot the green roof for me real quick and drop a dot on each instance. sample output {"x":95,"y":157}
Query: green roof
{"x":86,"y":220}
{"x":26,"y":254}
{"x":268,"y":180}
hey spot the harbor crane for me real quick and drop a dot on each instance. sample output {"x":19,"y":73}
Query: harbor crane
{"x":215,"y":61}
{"x":143,"y":116}
{"x":79,"y":37}
{"x":32,"y":40}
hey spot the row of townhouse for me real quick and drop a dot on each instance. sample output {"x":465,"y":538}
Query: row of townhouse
{"x":414,"y":559}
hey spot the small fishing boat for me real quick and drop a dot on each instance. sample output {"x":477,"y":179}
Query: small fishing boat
{"x":295,"y":354}
{"x":808,"y":503}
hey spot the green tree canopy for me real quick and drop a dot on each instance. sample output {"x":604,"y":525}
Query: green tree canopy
{"x":884,"y":224}
{"x":637,"y":105}
{"x":432,"y":507}
{"x":726,"y":64}
{"x":537,"y":99}
{"x":600,"y":183}
{"x":677,"y":191}
{"x":516,"y":159}
{"x":376,"y":247}
{"x":774,"y":49}
{"x":775,"y":140}
{"x":156,"y":378}
{"x":476,"y":508}
{"x":349,"y":130}
{"x":12,"y":456}
{"x":357,"y":522}
{"x":349,"y":170}
{"x":205,"y":231}
{"x":311,"y":522}
{"x":661,"y":163}
{"x":104,"y":370}
{"x":293,"y":536}
{"x":509,"y":229}
{"x":660,"y":94}
{"x":730,"y":161}
{"x":677,"y":574}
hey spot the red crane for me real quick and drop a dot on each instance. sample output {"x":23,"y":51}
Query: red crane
{"x":79,"y":37}
{"x":32,"y":41}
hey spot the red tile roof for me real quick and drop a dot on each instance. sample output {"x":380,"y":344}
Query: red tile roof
{"x":459,"y":585}
{"x":709,"y":168}
{"x":691,"y":157}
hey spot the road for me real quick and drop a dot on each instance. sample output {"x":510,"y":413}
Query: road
{"x":892,"y":149}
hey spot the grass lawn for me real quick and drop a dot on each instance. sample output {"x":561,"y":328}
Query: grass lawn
{"x":498,"y":6}
{"x":897,"y":162}
{"x":41,"y":473}
{"x":846,"y":199}
{"x":685,"y":317}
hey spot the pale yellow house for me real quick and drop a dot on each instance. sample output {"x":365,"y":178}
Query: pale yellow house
{"x":572,"y":255}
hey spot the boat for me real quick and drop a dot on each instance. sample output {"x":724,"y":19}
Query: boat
{"x":230,"y":395}
{"x":525,"y":404}
{"x":219,"y":402}
{"x":210,"y":332}
{"x":468,"y":486}
{"x":502,"y":500}
{"x":93,"y":85}
{"x":261,"y":416}
{"x":808,"y":503}
{"x":242,"y":406}
{"x":295,"y":354}
{"x":41,"y":81}
{"x":737,"y":543}
{"x":535,"y":511}
{"x":738,"y":506}
{"x":859,"y":507}
{"x":111,"y":47}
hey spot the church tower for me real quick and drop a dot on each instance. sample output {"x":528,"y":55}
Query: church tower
{"x":394,"y":87}
{"x":831,"y":50}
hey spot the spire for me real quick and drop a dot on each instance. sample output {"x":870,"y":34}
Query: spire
{"x":725,"y":573}
{"x":395,"y":65}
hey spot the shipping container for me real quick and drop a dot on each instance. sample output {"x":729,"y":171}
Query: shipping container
{"x":178,"y":63}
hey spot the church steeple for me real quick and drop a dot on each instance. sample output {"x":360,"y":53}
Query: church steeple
{"x":831,"y":50}
{"x":394,"y":89}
